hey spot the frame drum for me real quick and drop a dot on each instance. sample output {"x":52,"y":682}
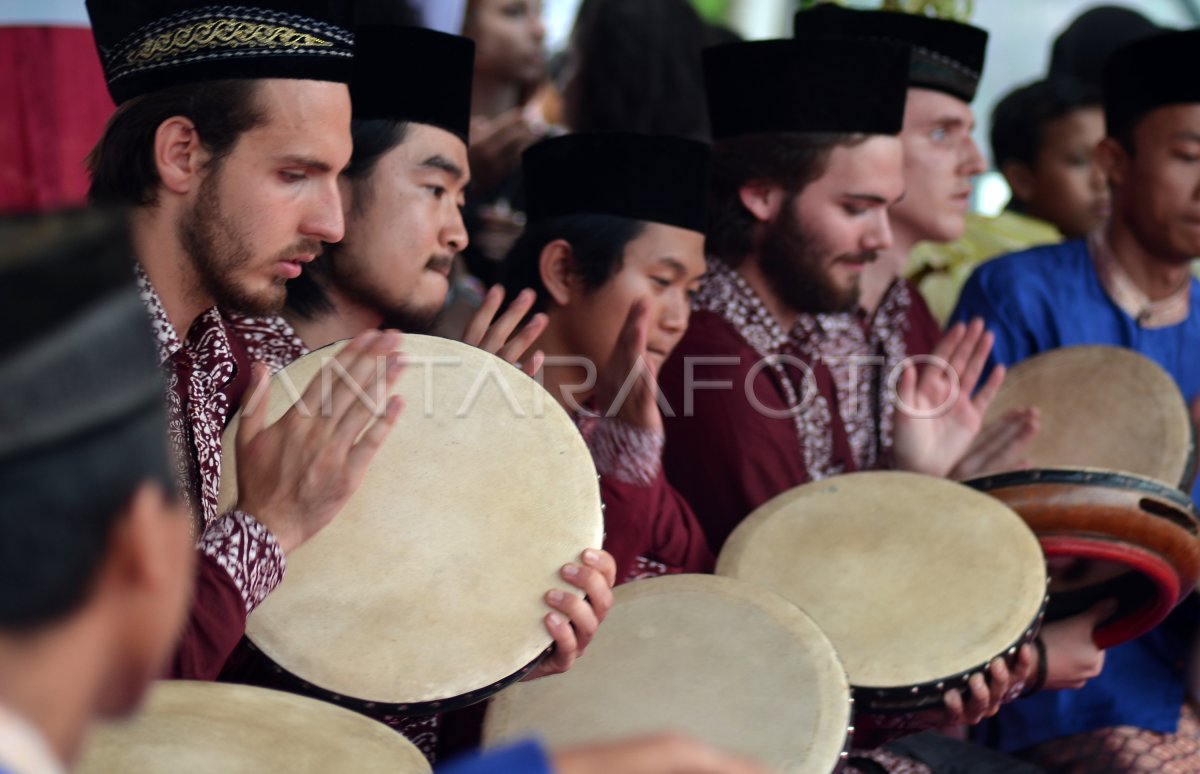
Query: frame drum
{"x":1103,"y":407}
{"x":426,"y":592}
{"x":918,"y":581}
{"x":198,"y":728}
{"x":1124,"y":536}
{"x":715,"y":658}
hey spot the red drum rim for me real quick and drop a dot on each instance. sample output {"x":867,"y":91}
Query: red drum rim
{"x":1123,"y":628}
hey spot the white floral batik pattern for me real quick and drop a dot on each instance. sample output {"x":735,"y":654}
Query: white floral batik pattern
{"x":631,"y":455}
{"x":268,"y":340}
{"x":861,"y":356}
{"x":198,"y":370}
{"x":248,"y":552}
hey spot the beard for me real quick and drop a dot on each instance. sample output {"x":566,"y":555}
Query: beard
{"x":795,"y":265}
{"x":219,"y":247}
{"x":402,"y":314}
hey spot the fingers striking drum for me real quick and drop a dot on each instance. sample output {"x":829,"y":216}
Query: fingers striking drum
{"x":420,"y":596}
{"x":883,"y":558}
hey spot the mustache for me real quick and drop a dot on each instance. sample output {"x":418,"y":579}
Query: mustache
{"x":312,"y":247}
{"x":867,"y":256}
{"x":440,"y":262}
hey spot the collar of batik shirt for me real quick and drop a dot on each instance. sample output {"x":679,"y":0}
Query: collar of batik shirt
{"x":727,"y":294}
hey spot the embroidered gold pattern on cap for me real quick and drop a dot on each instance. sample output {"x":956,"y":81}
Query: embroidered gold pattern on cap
{"x":227,"y":34}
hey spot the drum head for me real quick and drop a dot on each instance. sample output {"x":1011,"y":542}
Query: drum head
{"x":199,"y":728}
{"x":915,"y":579}
{"x":715,"y":658}
{"x":1108,"y":535}
{"x":1102,"y":407}
{"x":430,"y":583}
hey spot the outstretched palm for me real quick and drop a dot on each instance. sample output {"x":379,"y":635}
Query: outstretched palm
{"x":939,"y":413}
{"x":627,"y":387}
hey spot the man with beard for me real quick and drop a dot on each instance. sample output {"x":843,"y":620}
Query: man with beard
{"x":891,"y":321}
{"x":860,"y":345}
{"x":227,"y":151}
{"x":801,"y":188}
{"x":401,"y":197}
{"x":805,"y":167}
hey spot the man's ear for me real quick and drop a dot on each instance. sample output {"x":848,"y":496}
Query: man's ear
{"x":762,"y":199}
{"x":139,"y":550}
{"x":1114,"y":160}
{"x":1020,"y":179}
{"x":179,"y":156}
{"x":555,"y":264}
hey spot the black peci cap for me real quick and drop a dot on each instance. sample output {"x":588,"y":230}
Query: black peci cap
{"x":77,"y":357}
{"x":147,"y":45}
{"x":946,"y":56}
{"x":413,"y":74}
{"x":1081,"y":50}
{"x":1151,"y":73}
{"x":642,"y":177}
{"x":839,"y":85}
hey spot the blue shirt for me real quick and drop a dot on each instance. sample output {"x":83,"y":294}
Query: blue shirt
{"x":522,"y":758}
{"x":1051,"y":297}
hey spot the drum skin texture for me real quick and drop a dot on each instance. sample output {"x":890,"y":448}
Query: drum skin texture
{"x":1120,"y":518}
{"x":723,"y":661}
{"x":198,"y":728}
{"x":918,"y":581}
{"x":426,"y":591}
{"x":1103,"y":407}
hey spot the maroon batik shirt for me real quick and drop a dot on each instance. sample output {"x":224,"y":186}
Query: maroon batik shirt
{"x":239,"y":561}
{"x":748,"y":418}
{"x":648,"y":527}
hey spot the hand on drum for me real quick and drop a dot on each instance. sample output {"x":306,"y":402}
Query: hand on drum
{"x":660,"y":754}
{"x":295,"y":475}
{"x":983,"y":698}
{"x":939,"y":413}
{"x":637,"y":404}
{"x":1072,"y":657}
{"x":496,"y":336}
{"x":575,"y":621}
{"x":1001,"y":445}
